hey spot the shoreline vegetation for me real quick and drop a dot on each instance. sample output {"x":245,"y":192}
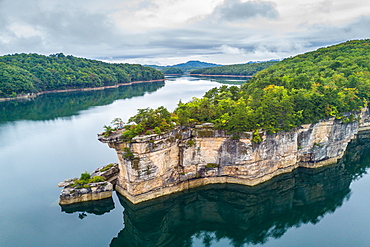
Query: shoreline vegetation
{"x":34,"y":95}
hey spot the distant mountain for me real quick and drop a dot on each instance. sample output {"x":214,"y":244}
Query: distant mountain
{"x":190,"y":65}
{"x":193,"y":65}
{"x":184,"y":67}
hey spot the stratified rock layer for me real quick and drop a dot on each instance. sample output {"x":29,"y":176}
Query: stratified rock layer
{"x":97,"y":191}
{"x":157,"y":165}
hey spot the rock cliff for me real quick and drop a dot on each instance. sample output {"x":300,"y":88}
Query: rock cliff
{"x":157,"y":165}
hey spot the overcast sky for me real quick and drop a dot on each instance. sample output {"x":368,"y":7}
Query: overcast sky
{"x":172,"y":31}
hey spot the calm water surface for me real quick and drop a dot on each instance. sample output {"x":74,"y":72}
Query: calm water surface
{"x":53,"y":137}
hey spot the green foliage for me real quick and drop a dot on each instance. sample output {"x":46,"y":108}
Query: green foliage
{"x":107,"y":130}
{"x":129,"y":155}
{"x":256,"y":137}
{"x":157,"y":130}
{"x":248,"y":69}
{"x":211,"y":165}
{"x":172,"y":71}
{"x":31,"y":73}
{"x":117,"y":123}
{"x":97,"y":179}
{"x":85,"y":179}
{"x":85,"y":176}
{"x":148,"y":121}
{"x":107,"y":167}
{"x":190,"y":143}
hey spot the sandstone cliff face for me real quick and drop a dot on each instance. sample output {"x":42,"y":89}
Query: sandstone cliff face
{"x":156,"y":165}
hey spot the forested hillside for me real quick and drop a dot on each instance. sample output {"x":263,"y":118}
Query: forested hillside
{"x":303,"y":89}
{"x":30,"y":73}
{"x":248,"y":69}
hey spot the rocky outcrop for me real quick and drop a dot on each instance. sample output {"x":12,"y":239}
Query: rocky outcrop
{"x":95,"y":191}
{"x":157,"y":165}
{"x":76,"y":193}
{"x":109,"y":172}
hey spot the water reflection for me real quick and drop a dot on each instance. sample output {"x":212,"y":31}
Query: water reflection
{"x":99,"y":207}
{"x":241,"y":214}
{"x":51,"y":106}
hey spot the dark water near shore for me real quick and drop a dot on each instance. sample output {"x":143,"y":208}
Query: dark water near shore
{"x":53,"y":137}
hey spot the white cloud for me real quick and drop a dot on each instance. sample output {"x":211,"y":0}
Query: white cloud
{"x":158,"y":14}
{"x":165,"y":31}
{"x":226,"y":49}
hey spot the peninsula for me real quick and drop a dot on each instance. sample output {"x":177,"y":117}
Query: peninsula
{"x":300,"y":112}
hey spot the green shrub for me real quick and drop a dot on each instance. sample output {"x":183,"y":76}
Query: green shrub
{"x":235,"y":137}
{"x":256,"y":137}
{"x":157,"y":130}
{"x":85,"y":179}
{"x":107,"y":167}
{"x":96,"y":179}
{"x":85,"y":176}
{"x":107,"y":130}
{"x":211,"y":165}
{"x":128,"y":155}
{"x":191,"y":143}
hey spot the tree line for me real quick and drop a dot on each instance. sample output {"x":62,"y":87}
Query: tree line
{"x":31,"y":73}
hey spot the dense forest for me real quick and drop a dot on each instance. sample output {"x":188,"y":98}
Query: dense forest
{"x":172,"y":71}
{"x":30,"y":73}
{"x":247,"y":69}
{"x":303,"y":89}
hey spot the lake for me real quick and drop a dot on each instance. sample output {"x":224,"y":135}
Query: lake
{"x":54,"y":137}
